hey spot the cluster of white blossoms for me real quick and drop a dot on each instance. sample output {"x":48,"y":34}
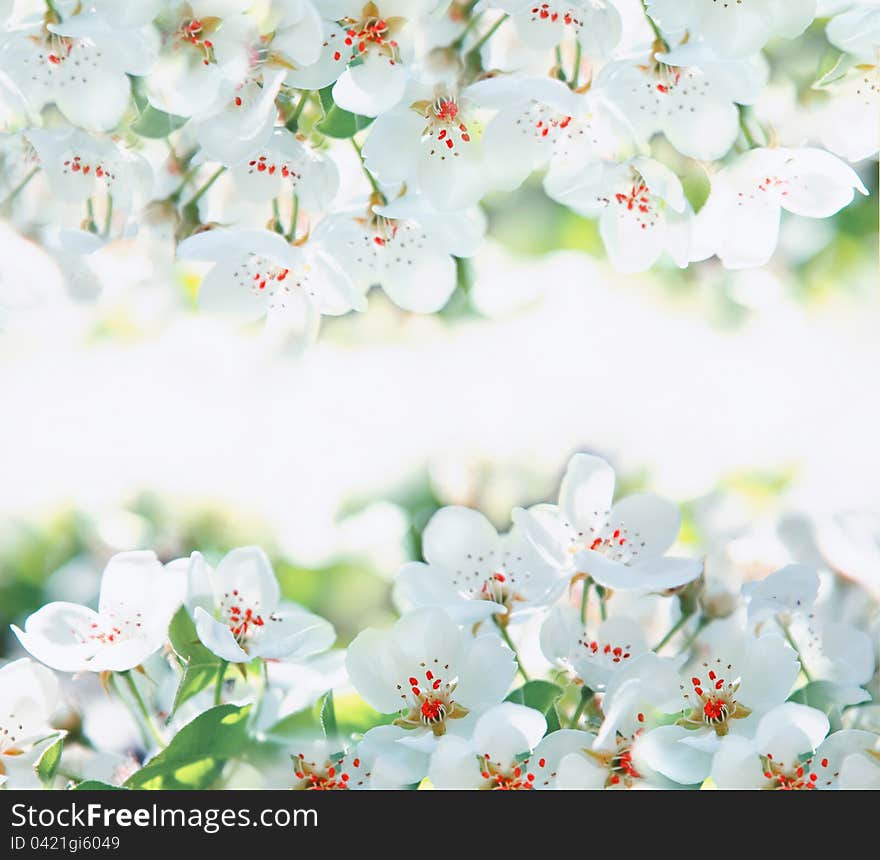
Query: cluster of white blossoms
{"x":760,"y":690}
{"x":307,"y":150}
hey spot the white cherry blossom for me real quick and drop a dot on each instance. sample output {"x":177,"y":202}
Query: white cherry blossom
{"x":138,"y":597}
{"x":365,"y":50}
{"x":377,"y":762}
{"x":847,"y":121}
{"x":861,"y":764}
{"x":429,"y":672}
{"x":29,"y":694}
{"x":593,"y":656}
{"x":285,"y":165}
{"x":740,"y":221}
{"x":619,"y":545}
{"x":405,"y":246}
{"x":734,"y":29}
{"x":642,"y":211}
{"x":507,"y":752}
{"x":540,"y":123}
{"x":259,"y":274}
{"x":787,"y":592}
{"x":474,"y":573}
{"x":857,"y":31}
{"x":733,"y":678}
{"x":687,"y":94}
{"x":432,"y":144}
{"x":239,"y":613}
{"x":80,"y":65}
{"x":786,"y":753}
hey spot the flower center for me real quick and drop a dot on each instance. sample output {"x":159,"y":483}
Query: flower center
{"x":370,"y":32}
{"x":194,"y":33}
{"x":607,"y":652}
{"x":428,"y":703}
{"x":712,"y":699}
{"x":244,"y":621}
{"x":795,"y":778}
{"x":10,"y":734}
{"x":445,"y":133}
{"x":613,"y":540}
{"x":324,"y":776}
{"x":552,"y":13}
{"x":511,"y":777}
{"x":618,"y":762}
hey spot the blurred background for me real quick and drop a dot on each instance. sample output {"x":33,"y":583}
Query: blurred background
{"x":750,"y":398}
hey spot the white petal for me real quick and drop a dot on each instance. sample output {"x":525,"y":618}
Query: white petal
{"x":218,"y":638}
{"x":371,"y":88}
{"x":789,"y":730}
{"x":373,"y":666}
{"x":454,"y":765}
{"x":586,"y":490}
{"x":57,"y":635}
{"x":661,"y":750}
{"x":578,"y":773}
{"x":653,"y":522}
{"x":653,"y":574}
{"x":391,"y":149}
{"x":768,"y":670}
{"x":737,"y":765}
{"x":486,"y":673}
{"x":421,"y":282}
{"x":294,"y":634}
{"x":821,"y":184}
{"x":245,"y":576}
{"x":129,"y":582}
{"x":507,"y":730}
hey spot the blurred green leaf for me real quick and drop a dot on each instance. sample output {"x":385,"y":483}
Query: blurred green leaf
{"x":832,"y":67}
{"x":154,"y":123}
{"x":47,"y":764}
{"x":95,"y":785}
{"x":201,"y":667}
{"x":197,"y":753}
{"x":339,"y":123}
{"x":542,"y":696}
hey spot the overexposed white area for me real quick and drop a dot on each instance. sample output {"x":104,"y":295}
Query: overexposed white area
{"x":569,"y":357}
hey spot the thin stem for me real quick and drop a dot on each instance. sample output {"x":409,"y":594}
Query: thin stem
{"x":293,"y":120}
{"x":19,"y":188}
{"x":276,"y":214}
{"x":488,"y":34}
{"x":201,"y":191}
{"x":50,"y":5}
{"x":108,"y":216}
{"x":744,"y":126}
{"x":575,"y":72}
{"x":654,"y":27}
{"x":790,"y":639}
{"x":294,"y":216}
{"x":464,"y":33}
{"x":586,"y":695}
{"x":218,"y":687}
{"x":603,"y":611}
{"x":672,"y":631}
{"x":696,"y":632}
{"x":506,"y":637}
{"x":90,"y":214}
{"x":370,"y":178}
{"x":142,"y":707}
{"x":584,"y":598}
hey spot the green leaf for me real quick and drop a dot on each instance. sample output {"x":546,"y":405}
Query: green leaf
{"x":339,"y":123}
{"x":95,"y":785}
{"x":200,"y":666}
{"x":833,"y":66}
{"x":197,"y":753}
{"x":47,"y":764}
{"x":328,"y":716}
{"x":156,"y":123}
{"x":542,"y":696}
{"x":825,"y":697}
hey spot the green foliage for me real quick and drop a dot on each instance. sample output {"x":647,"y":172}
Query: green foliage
{"x":156,"y":124}
{"x":47,"y":764}
{"x":95,"y":785}
{"x":338,"y":123}
{"x":197,"y":753}
{"x":201,"y":667}
{"x":542,"y":696}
